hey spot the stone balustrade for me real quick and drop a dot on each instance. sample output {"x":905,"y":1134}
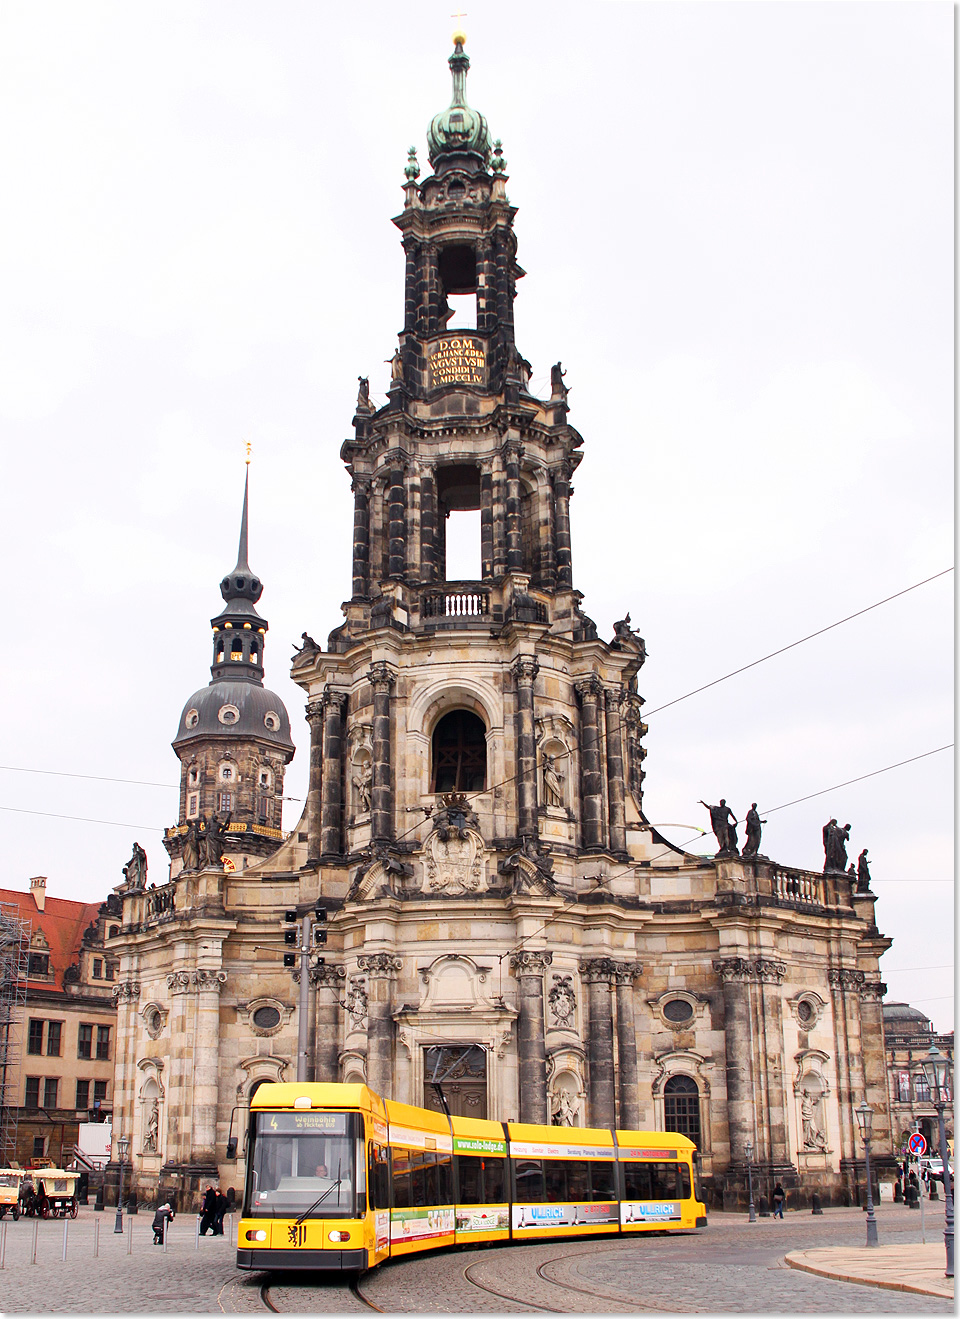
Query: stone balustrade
{"x":460,"y":600}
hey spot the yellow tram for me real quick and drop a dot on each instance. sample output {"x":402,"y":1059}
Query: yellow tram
{"x":340,"y":1179}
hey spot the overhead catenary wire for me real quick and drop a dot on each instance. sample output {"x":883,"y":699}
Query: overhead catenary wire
{"x":809,"y":637}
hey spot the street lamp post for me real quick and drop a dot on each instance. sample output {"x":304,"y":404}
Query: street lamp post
{"x":865,"y":1123}
{"x":936,"y":1068}
{"x":123,"y":1144}
{"x":748,"y":1150}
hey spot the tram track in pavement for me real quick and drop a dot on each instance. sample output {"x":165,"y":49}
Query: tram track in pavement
{"x":352,"y":1287}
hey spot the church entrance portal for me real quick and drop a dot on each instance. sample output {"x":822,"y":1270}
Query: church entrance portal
{"x":462,"y":1071}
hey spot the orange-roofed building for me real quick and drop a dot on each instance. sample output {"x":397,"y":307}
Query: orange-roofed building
{"x":63,"y":1046}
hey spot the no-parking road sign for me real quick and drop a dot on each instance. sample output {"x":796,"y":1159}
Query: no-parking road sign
{"x":916,"y":1144}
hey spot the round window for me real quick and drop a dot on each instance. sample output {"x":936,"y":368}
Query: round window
{"x":155,"y":1021}
{"x":229,"y":714}
{"x":266,"y":1017}
{"x":677,"y":1010}
{"x":272,"y":721}
{"x":805,"y":1012}
{"x":192,"y":718}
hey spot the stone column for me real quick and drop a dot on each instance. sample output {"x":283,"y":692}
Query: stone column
{"x":414,"y":521}
{"x":561,"y":486}
{"x":331,"y":809}
{"x":769,"y":1051}
{"x":626,"y":973}
{"x":486,"y":521}
{"x":126,"y":994}
{"x":486,"y":300}
{"x":546,"y":531}
{"x":429,"y":555}
{"x":615,"y":788}
{"x":205,"y":1046}
{"x":381,"y":972}
{"x":314,"y":782}
{"x":397,"y":523}
{"x":528,"y":967}
{"x":845,"y":984}
{"x":598,"y":974}
{"x":361,"y":538}
{"x":525,"y":669}
{"x":513,"y":454}
{"x":499,"y":516}
{"x":635,"y":730}
{"x":736,"y":974}
{"x":381,"y":804}
{"x":411,"y":306}
{"x":591,"y":779}
{"x":874,"y":1061}
{"x":329,"y":982}
{"x":430,"y":277}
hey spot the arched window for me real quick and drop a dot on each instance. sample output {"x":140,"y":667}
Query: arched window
{"x":459,"y":753}
{"x":681,"y":1107}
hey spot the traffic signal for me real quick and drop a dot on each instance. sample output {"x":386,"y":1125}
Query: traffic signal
{"x":320,"y":913}
{"x":290,"y":936}
{"x":289,"y":959}
{"x":319,"y":936}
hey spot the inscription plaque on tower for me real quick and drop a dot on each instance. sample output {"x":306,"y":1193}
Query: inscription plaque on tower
{"x":460,"y":360}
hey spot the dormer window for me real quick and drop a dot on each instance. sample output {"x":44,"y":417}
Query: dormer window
{"x":191,"y":719}
{"x":228,"y":714}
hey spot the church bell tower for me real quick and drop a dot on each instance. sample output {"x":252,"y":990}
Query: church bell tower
{"x":474,"y":744}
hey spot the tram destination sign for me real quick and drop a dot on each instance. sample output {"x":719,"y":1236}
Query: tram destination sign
{"x":285,"y":1124}
{"x":459,"y":360}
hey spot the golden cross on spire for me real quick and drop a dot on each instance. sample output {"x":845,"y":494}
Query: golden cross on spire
{"x":249,"y":450}
{"x":459,"y":36}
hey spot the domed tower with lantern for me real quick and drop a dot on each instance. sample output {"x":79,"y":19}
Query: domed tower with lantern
{"x":233,"y":741}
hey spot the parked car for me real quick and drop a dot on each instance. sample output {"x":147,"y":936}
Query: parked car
{"x":932,"y":1169}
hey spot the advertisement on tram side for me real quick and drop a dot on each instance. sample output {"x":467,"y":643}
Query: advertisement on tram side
{"x":420,"y":1224}
{"x":595,"y":1214}
{"x":649,"y":1211}
{"x":482,"y":1218}
{"x":382,"y":1225}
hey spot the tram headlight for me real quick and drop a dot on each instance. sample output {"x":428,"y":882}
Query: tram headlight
{"x":338,"y":1236}
{"x":258,"y":1235}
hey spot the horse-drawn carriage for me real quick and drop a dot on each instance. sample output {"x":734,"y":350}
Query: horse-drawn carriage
{"x":49,"y":1193}
{"x":10,"y":1191}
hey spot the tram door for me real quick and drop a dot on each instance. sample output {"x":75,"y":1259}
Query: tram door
{"x":462,"y":1071}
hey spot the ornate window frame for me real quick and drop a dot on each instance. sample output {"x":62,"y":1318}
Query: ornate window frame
{"x":246,"y":1010}
{"x":685,"y":1062}
{"x":147,"y":1011}
{"x":699,"y":1003}
{"x":817,"y":1003}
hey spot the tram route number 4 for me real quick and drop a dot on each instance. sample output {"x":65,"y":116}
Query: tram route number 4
{"x":917,"y":1144}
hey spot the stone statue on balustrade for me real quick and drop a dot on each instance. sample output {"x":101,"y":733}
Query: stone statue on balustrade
{"x":721,"y":820}
{"x":753,"y":822}
{"x":863,"y":873}
{"x":191,"y":847}
{"x":135,"y":871}
{"x":835,"y":842}
{"x":213,"y":841}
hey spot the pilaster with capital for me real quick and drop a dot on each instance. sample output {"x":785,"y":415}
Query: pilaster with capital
{"x":528,"y":966}
{"x":361,"y":538}
{"x":625,"y":973}
{"x":615,"y":784}
{"x":381,"y":970}
{"x":207,"y":984}
{"x":382,"y":678}
{"x":736,"y":975}
{"x":314,"y":713}
{"x":525,"y":669}
{"x":513,"y":452}
{"x":591,"y":778}
{"x":600,"y":974}
{"x":328,"y":982}
{"x":331,"y":809}
{"x":561,"y":489}
{"x":845,"y":986}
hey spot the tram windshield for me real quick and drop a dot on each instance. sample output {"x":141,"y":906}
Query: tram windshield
{"x":304,"y":1164}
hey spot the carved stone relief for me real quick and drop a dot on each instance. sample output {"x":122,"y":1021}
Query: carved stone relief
{"x":454,"y":865}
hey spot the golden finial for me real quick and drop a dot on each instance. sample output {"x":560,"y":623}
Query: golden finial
{"x":249,"y":450}
{"x":459,"y":36}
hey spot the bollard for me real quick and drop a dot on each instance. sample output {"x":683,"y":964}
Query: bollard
{"x":3,"y":1243}
{"x":66,"y":1225}
{"x":196,"y":1240}
{"x":165,"y":1230}
{"x":96,"y":1238}
{"x":817,"y":1207}
{"x":933,"y":1193}
{"x":33,"y":1249}
{"x":98,"y":1203}
{"x":129,"y":1237}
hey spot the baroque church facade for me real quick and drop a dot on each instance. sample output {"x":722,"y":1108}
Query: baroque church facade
{"x":499,"y":913}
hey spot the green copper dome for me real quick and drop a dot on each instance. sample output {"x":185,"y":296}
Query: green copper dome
{"x":458,"y":128}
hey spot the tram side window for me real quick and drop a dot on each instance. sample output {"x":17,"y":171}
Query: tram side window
{"x":665,"y":1182}
{"x":378,"y":1177}
{"x":424,"y":1171}
{"x":444,"y":1179}
{"x":555,"y":1180}
{"x":656,"y":1181}
{"x":529,"y":1175}
{"x":481,"y":1181}
{"x":494,"y":1180}
{"x":636,"y":1181}
{"x":684,"y":1181}
{"x":402,"y":1180}
{"x":602,"y":1183}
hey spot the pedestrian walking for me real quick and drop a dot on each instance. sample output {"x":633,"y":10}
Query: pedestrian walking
{"x":161,"y":1218}
{"x":208,"y":1212}
{"x":220,"y":1208}
{"x":779,"y":1200}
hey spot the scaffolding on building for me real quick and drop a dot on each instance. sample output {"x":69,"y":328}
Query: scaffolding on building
{"x":14,"y":953}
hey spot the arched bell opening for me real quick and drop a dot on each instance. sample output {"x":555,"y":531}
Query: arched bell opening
{"x":459,"y":753}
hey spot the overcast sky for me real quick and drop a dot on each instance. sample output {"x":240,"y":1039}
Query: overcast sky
{"x":737,"y":225}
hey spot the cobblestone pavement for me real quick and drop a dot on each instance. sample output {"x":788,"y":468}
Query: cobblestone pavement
{"x":731,"y":1266}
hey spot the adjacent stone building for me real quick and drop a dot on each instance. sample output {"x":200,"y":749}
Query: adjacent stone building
{"x":909,"y":1037}
{"x":499,"y":912}
{"x":60,"y":1051}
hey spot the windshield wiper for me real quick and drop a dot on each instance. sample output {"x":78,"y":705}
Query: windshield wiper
{"x":320,"y":1198}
